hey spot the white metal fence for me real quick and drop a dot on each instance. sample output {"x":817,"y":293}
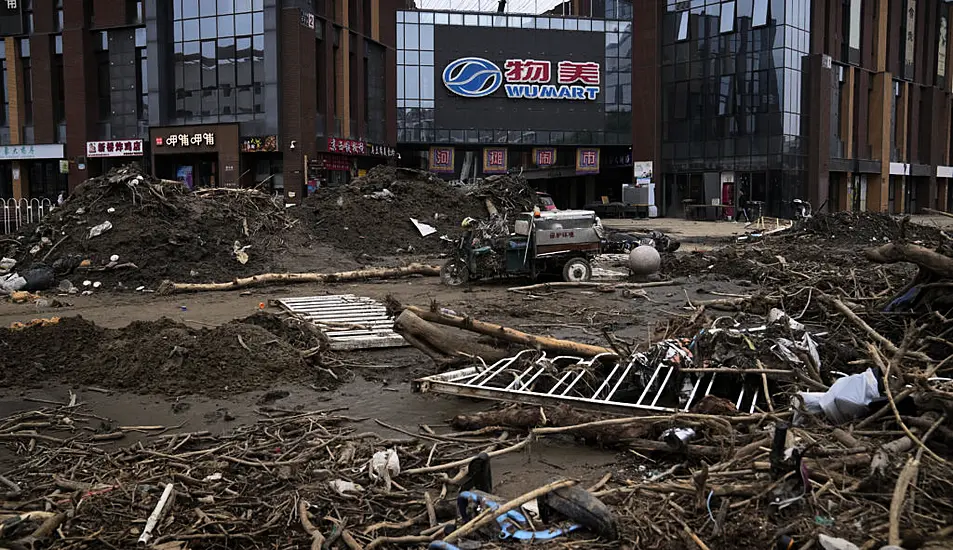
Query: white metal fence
{"x":15,"y":213}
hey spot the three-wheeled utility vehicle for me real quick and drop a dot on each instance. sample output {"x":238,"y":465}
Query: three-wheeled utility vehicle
{"x":552,"y":242}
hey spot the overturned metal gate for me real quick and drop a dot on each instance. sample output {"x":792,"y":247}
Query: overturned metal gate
{"x":349,"y":321}
{"x":602,"y":383}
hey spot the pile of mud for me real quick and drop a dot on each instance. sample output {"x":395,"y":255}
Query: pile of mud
{"x":372,"y":215}
{"x":163,"y":356}
{"x":127,"y":227}
{"x":828,"y":245}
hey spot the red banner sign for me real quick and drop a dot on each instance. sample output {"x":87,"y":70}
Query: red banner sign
{"x":494,"y":160}
{"x":587,"y":160}
{"x":114,"y":148}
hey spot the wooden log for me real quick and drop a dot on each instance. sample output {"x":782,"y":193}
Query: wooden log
{"x":924,"y":257}
{"x":439,"y":344}
{"x":939,"y":212}
{"x":587,"y":284}
{"x":563,"y":347}
{"x":169,"y":287}
{"x":527,"y":418}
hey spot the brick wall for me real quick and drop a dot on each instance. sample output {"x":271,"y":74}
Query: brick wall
{"x":79,"y":63}
{"x":41,"y":61}
{"x":298,"y":99}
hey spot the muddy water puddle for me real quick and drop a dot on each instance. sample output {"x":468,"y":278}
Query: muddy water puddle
{"x":393,"y":404}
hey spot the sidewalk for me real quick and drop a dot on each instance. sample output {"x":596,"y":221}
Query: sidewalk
{"x":700,"y":231}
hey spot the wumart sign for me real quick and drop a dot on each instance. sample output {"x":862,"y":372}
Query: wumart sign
{"x":523,"y":79}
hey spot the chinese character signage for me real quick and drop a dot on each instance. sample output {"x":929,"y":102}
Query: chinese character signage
{"x":206,"y":139}
{"x":544,"y":157}
{"x":114,"y":148}
{"x":336,"y":163}
{"x":441,"y":160}
{"x":11,"y":17}
{"x":524,"y":78}
{"x":494,"y":160}
{"x":380,"y":150}
{"x":346,"y":146}
{"x":26,"y":152}
{"x":258,"y":144}
{"x":587,"y":160}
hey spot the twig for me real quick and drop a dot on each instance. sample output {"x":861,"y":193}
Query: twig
{"x":899,"y":493}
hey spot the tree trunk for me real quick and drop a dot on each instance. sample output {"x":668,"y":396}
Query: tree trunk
{"x":169,"y":287}
{"x":562,"y":347}
{"x":439,"y":344}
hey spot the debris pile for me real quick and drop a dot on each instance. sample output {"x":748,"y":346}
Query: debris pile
{"x":826,"y":246}
{"x":131,"y":229}
{"x":163,"y":356}
{"x":373,"y":214}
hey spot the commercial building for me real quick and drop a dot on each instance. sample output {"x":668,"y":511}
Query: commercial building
{"x":269,"y":93}
{"x":845,"y":103}
{"x":542,"y":87}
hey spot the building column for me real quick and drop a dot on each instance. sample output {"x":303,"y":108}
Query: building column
{"x":299,"y":102}
{"x":819,"y":131}
{"x":81,"y":85}
{"x":878,"y":134}
{"x":646,"y":93}
{"x":21,"y":187}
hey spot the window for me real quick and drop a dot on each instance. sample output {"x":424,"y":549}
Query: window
{"x":59,"y":91}
{"x":5,"y":114}
{"x":219,"y":56}
{"x":941,"y":49}
{"x":58,"y":23}
{"x":760,"y":13}
{"x":682,"y":26}
{"x":27,"y":91}
{"x":28,"y":10}
{"x":854,"y":37}
{"x":142,"y":76}
{"x":102,"y":74}
{"x":727,"y":17}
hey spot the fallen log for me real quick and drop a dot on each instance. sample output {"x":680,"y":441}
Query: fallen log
{"x":923,"y":257}
{"x":527,"y":418}
{"x":587,"y":284}
{"x":939,"y":212}
{"x":440,"y":345}
{"x":169,"y":287}
{"x":546,"y":343}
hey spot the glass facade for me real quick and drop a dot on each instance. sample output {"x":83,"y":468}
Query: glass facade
{"x":219,"y":60}
{"x":419,"y":77}
{"x":733,"y":79}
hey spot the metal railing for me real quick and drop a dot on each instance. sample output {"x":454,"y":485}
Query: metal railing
{"x":15,"y":213}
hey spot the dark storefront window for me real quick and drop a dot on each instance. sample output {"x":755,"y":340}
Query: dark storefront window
{"x":219,"y":58}
{"x":376,"y":96}
{"x":46,"y":181}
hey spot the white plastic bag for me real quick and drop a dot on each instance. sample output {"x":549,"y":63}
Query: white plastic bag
{"x":846,"y":399}
{"x":385,"y":465}
{"x":100,"y":229}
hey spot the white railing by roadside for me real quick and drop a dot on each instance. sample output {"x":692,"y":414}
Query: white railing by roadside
{"x":15,"y":213}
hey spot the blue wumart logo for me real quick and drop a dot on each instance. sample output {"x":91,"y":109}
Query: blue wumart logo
{"x":472,"y":77}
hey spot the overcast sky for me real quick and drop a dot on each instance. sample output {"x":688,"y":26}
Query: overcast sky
{"x":512,"y":6}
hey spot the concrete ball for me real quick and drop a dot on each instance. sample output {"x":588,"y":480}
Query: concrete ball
{"x":644,"y":260}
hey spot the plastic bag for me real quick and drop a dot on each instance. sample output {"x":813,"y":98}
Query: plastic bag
{"x":100,"y":229}
{"x":385,"y":465}
{"x":846,"y":399}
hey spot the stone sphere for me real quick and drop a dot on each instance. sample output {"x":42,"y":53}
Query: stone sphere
{"x":644,"y":260}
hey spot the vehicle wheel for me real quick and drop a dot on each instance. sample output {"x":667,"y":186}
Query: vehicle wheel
{"x":454,"y":273}
{"x":580,"y":506}
{"x":577,"y":270}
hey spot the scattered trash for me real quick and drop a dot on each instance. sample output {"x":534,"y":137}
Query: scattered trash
{"x":831,"y":543}
{"x":240,"y":253}
{"x":344,"y":488}
{"x":114,"y":258}
{"x":7,"y":265}
{"x":12,"y":282}
{"x":423,"y":228}
{"x":98,"y":230}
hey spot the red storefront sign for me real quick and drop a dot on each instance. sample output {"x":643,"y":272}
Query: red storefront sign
{"x":346,"y":146}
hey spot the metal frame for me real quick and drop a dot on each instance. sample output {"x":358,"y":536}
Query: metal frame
{"x":349,"y":321}
{"x":506,"y":381}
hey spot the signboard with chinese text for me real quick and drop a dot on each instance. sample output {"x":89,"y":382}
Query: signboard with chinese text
{"x":27,"y":152}
{"x":333,"y":162}
{"x":346,"y":146}
{"x":440,"y":160}
{"x":544,"y":156}
{"x":11,"y":17}
{"x":114,"y":147}
{"x":587,"y":160}
{"x":206,"y":139}
{"x":376,"y":150}
{"x":529,"y":81}
{"x":258,"y":144}
{"x":494,"y":160}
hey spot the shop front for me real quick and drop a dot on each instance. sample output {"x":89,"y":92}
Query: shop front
{"x":32,"y":171}
{"x":103,"y":156}
{"x":262,"y":164}
{"x":346,"y":159}
{"x":199,"y":156}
